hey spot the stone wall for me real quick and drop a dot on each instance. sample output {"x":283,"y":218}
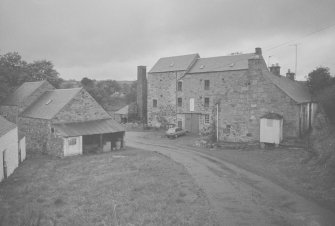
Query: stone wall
{"x":37,"y":132}
{"x":243,"y":97}
{"x":162,"y":87}
{"x":82,"y":107}
{"x":55,"y":145}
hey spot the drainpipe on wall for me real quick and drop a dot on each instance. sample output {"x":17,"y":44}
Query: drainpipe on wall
{"x":176,"y":100}
{"x":217,"y":122}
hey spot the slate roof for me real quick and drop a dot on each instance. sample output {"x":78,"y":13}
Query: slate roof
{"x":25,"y":90}
{"x":123,"y":111}
{"x":222,"y":63}
{"x":50,"y":103}
{"x":5,"y":126}
{"x":298,"y":91}
{"x":88,"y":128}
{"x":174,"y":63}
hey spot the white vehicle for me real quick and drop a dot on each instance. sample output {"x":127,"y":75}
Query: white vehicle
{"x":175,"y":132}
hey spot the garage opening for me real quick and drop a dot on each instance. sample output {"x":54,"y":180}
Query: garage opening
{"x":103,"y":142}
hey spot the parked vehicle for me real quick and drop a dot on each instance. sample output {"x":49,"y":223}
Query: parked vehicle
{"x":175,"y":132}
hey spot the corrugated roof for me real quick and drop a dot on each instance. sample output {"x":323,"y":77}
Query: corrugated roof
{"x":123,"y":111}
{"x":25,"y":90}
{"x":222,"y":63}
{"x":5,"y":126}
{"x":50,"y":103}
{"x":174,"y":63}
{"x":294,"y":89}
{"x":88,"y":128}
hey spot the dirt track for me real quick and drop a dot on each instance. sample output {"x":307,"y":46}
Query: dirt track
{"x":238,"y":196}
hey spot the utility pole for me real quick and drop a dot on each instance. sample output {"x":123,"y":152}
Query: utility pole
{"x":296,"y":58}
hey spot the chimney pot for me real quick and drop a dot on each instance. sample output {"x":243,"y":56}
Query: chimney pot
{"x":275,"y":69}
{"x":258,"y":51}
{"x":290,"y":75}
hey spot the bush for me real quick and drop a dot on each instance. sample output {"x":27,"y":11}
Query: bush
{"x":326,"y":98}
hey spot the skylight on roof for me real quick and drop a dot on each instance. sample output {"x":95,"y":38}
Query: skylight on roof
{"x":48,"y":102}
{"x":202,"y":66}
{"x":172,"y":64}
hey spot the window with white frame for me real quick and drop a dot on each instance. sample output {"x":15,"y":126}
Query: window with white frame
{"x":72,"y":141}
{"x":206,"y":119}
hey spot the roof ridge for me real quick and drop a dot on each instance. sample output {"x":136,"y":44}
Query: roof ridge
{"x":191,"y":54}
{"x":227,"y":56}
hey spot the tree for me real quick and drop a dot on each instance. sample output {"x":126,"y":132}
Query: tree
{"x":319,"y":79}
{"x":86,"y":82}
{"x":322,"y":85}
{"x":13,"y":72}
{"x":43,"y":70}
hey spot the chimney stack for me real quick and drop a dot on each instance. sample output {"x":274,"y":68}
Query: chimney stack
{"x":142,"y":93}
{"x":258,"y":51}
{"x":275,"y":69}
{"x":290,"y":75}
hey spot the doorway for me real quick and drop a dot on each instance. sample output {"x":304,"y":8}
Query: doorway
{"x":4,"y":164}
{"x":192,"y":123}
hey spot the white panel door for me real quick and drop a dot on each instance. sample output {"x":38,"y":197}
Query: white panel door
{"x":73,"y":146}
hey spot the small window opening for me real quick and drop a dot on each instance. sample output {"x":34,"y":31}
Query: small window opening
{"x":206,"y":84}
{"x":206,"y":119}
{"x":180,"y":102}
{"x":72,"y":141}
{"x":154,"y":103}
{"x":206,"y":102}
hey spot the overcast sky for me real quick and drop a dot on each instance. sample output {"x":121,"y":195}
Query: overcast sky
{"x":108,"y":39}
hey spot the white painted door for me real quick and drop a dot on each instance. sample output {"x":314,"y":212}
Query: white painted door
{"x":73,"y":146}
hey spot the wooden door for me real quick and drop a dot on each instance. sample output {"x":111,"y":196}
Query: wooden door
{"x":192,"y":123}
{"x":4,"y":163}
{"x":188,"y":122}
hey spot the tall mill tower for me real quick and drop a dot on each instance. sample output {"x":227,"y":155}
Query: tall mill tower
{"x":142,"y":93}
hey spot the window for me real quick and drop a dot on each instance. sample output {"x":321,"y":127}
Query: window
{"x":206,"y":102}
{"x":72,"y":141}
{"x":206,"y":119}
{"x":180,"y":124}
{"x":180,"y":102}
{"x":180,"y":86}
{"x":192,"y":104}
{"x":52,"y":130}
{"x":228,"y":128}
{"x":154,"y":103}
{"x":206,"y":84}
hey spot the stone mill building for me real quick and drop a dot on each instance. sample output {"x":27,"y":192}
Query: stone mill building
{"x":227,"y":95}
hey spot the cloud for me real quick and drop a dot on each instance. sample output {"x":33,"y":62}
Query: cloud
{"x":97,"y":37}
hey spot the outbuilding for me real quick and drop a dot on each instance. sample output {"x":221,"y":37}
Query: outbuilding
{"x":64,"y":122}
{"x":271,"y":129}
{"x":9,"y":148}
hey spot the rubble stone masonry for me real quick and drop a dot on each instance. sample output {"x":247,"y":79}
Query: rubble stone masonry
{"x":162,"y":87}
{"x":243,"y":97}
{"x":82,"y":107}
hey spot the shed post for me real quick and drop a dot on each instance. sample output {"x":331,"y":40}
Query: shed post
{"x":101,"y":141}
